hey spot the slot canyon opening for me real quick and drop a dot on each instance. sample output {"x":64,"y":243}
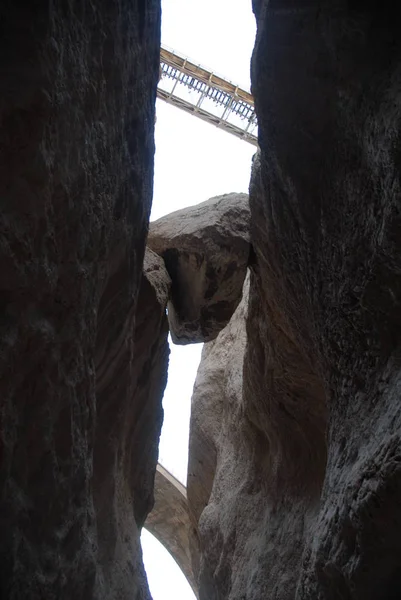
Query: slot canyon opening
{"x":293,"y":482}
{"x":162,"y":569}
{"x":194,"y":161}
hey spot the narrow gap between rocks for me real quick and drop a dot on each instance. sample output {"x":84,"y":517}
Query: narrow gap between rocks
{"x":194,"y":161}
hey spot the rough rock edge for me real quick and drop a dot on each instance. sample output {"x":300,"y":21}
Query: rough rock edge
{"x":76,"y":173}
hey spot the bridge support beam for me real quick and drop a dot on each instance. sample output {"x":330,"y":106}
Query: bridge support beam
{"x":169,"y":521}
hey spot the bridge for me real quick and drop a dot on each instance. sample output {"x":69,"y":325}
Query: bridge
{"x":206,"y":95}
{"x":169,"y":521}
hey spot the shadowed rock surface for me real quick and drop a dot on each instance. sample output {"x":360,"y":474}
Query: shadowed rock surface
{"x":80,"y":376}
{"x":205,"y":248}
{"x":294,"y":481}
{"x":131,"y":374}
{"x":307,"y":477}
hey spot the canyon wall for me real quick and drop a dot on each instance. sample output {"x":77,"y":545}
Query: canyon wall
{"x":294,"y":477}
{"x":83,"y":350}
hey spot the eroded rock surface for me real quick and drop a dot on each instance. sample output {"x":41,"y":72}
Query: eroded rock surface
{"x":218,"y":458}
{"x":206,"y":250}
{"x":80,"y":374}
{"x":300,"y":493}
{"x":244,"y":534}
{"x":131,"y":374}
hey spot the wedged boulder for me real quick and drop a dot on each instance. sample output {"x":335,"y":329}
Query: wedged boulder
{"x":206,"y":250}
{"x":306,"y":465}
{"x":77,"y":112}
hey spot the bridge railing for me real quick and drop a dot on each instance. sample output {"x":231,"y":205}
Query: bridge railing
{"x":207,"y":95}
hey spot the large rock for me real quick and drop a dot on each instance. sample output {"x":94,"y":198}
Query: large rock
{"x":326,"y":228}
{"x":131,"y":374}
{"x":206,"y":250}
{"x":250,"y":520}
{"x":78,"y":84}
{"x":307,"y":480}
{"x":228,"y":499}
{"x":214,"y":408}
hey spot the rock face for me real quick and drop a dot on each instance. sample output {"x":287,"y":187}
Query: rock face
{"x":301,"y":486}
{"x":244,"y":532}
{"x":206,"y":249}
{"x":81,"y":373}
{"x":131,"y":374}
{"x":220,"y":468}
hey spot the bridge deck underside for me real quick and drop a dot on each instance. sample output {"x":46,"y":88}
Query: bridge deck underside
{"x":192,"y":87}
{"x":170,"y":523}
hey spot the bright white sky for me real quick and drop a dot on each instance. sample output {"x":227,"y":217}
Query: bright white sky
{"x":194,"y":161}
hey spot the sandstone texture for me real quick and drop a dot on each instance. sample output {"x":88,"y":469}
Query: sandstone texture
{"x":131,"y":374}
{"x":244,"y":535}
{"x":294,"y":477}
{"x":221,"y":469}
{"x":206,"y":250}
{"x":83,"y":349}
